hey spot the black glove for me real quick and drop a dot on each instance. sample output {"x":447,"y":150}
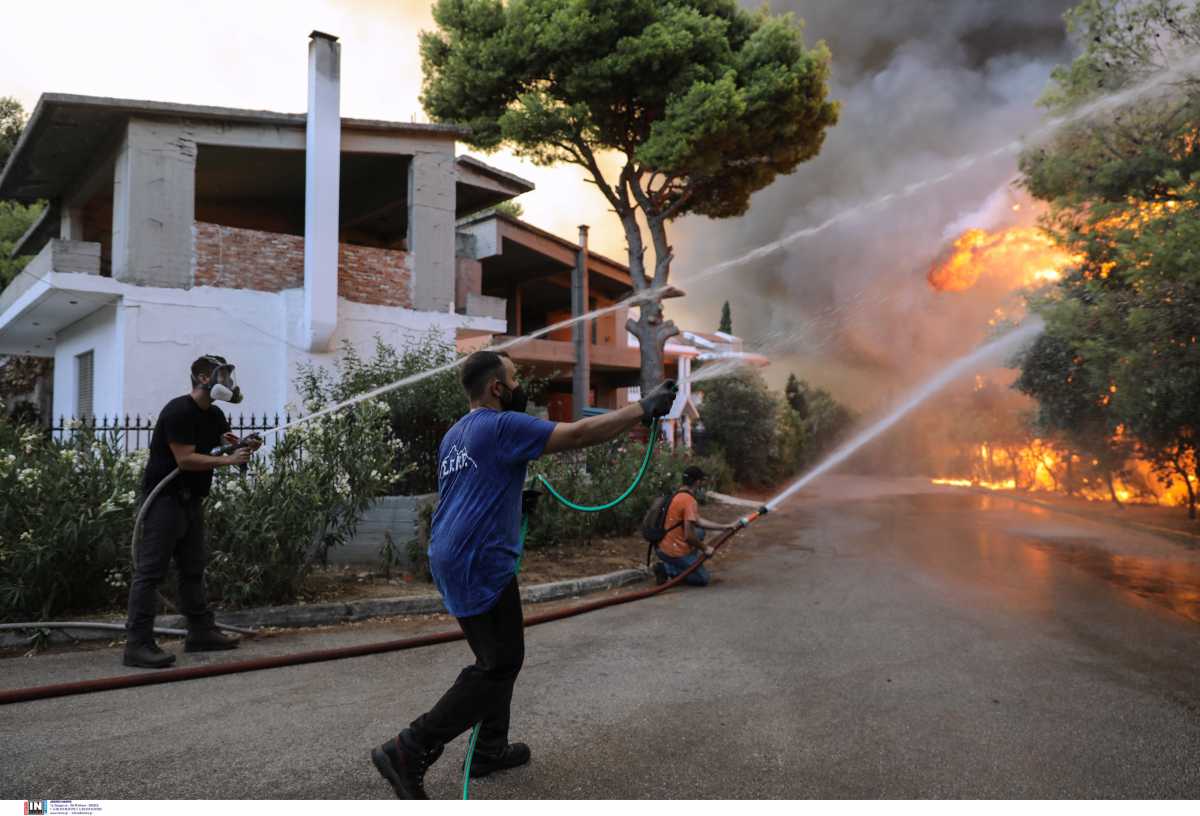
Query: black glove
{"x":659,"y":401}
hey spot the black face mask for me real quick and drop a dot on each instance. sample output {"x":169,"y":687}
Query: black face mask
{"x":517,"y":400}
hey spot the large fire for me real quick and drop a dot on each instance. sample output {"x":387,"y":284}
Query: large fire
{"x":1011,"y":258}
{"x":1043,"y":467}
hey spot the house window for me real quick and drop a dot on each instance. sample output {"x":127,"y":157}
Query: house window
{"x":84,"y":369}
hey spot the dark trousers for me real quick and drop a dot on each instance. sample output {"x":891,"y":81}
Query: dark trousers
{"x":483,"y":691}
{"x":173,"y":528}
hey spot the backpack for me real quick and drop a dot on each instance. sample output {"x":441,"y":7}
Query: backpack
{"x":653,"y":529}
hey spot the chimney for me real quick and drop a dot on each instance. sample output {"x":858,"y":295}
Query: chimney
{"x":322,"y":159}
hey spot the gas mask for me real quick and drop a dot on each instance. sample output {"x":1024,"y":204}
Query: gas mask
{"x":517,"y":399}
{"x":222,"y":385}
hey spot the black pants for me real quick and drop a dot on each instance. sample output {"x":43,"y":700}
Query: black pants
{"x":483,"y":691}
{"x":173,"y":528}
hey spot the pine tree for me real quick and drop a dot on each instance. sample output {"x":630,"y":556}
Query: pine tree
{"x":726,"y":319}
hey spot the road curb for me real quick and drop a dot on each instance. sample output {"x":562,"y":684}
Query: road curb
{"x":326,"y":614}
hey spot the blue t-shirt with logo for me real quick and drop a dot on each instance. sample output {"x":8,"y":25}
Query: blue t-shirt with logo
{"x":475,"y":539}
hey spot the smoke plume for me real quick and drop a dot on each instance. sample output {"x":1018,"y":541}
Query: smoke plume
{"x":922,"y":84}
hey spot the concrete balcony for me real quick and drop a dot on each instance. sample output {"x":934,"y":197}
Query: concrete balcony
{"x":484,"y":306}
{"x":61,"y":285}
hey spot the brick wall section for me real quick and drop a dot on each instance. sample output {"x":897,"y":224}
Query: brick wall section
{"x":238,"y":258}
{"x":372,"y":275}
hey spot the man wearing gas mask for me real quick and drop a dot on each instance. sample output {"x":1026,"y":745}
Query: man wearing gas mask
{"x":188,"y":427}
{"x":474,"y":549}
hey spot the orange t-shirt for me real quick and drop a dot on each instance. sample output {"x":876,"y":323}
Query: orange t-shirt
{"x":683,"y":508}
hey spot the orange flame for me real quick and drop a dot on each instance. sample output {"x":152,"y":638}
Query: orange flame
{"x":1043,"y":467}
{"x":1014,"y":257}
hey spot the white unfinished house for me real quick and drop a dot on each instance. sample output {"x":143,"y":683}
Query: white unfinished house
{"x":179,"y":230}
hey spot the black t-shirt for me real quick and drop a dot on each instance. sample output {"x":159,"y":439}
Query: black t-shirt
{"x":183,"y":422}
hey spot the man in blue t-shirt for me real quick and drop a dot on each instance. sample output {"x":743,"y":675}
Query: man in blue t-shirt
{"x":473,"y":552}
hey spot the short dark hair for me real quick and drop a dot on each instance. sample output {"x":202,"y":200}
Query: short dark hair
{"x":479,"y":369}
{"x":693,"y":474}
{"x":203,"y":366}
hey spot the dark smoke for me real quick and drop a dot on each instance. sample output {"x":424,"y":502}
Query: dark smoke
{"x":922,"y":84}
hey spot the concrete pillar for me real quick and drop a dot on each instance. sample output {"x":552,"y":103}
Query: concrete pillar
{"x":154,"y":205}
{"x":431,"y":179}
{"x":71,"y":224}
{"x":322,"y":173}
{"x":581,"y":330}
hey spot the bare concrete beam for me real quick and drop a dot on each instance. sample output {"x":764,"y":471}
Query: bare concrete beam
{"x":431,"y":234}
{"x":154,"y":198}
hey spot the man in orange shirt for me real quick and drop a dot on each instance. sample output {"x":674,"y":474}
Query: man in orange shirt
{"x":684,"y":541}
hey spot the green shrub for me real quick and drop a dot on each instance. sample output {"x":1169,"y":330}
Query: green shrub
{"x":790,"y":448}
{"x":267,"y":528}
{"x":739,"y":416}
{"x":420,"y":415}
{"x":418,"y":548}
{"x":66,"y":514}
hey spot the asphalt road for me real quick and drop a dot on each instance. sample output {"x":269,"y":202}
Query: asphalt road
{"x":860,"y":643}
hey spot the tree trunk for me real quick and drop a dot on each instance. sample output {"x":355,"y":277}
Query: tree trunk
{"x":1181,"y":468}
{"x":650,"y":329}
{"x":1112,"y":489}
{"x":652,"y":333}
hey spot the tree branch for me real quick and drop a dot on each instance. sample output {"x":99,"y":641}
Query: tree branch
{"x":589,"y":161}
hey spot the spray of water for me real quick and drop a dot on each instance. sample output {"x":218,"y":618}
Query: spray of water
{"x":1101,"y":105}
{"x":718,"y":368}
{"x":998,"y":348}
{"x":633,"y":300}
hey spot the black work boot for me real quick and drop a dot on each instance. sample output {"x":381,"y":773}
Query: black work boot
{"x":209,"y":640}
{"x":513,"y":755}
{"x":660,"y":574}
{"x":145,"y":654}
{"x":404,"y":767}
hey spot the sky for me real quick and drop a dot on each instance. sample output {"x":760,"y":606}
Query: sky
{"x":922,"y":83}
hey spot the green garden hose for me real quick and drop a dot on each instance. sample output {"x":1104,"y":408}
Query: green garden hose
{"x":467,"y":764}
{"x":609,"y":505}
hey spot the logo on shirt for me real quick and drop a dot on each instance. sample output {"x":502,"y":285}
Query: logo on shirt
{"x":457,"y":460}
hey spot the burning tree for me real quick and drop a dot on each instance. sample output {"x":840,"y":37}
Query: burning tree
{"x":701,"y":104}
{"x":1074,"y":408}
{"x":1120,"y":360}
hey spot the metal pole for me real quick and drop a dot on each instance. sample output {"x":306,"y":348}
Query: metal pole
{"x":581,"y":330}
